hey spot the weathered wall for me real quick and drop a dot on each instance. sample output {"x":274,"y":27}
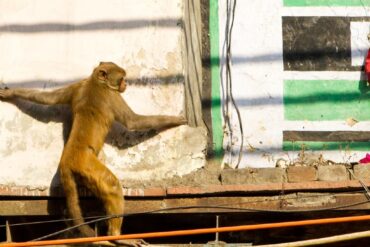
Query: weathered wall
{"x":296,"y":79}
{"x":45,"y":45}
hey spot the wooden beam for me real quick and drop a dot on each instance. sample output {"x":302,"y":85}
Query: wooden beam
{"x":210,"y":204}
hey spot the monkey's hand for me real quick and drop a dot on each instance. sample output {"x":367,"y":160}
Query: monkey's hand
{"x":6,"y":93}
{"x":183,"y":120}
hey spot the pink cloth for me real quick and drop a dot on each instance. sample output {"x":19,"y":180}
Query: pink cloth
{"x":366,"y":159}
{"x":367,"y":65}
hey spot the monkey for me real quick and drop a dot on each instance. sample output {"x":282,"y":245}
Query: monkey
{"x":95,"y":102}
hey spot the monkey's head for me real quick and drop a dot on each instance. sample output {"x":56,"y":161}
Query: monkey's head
{"x":111,"y":75}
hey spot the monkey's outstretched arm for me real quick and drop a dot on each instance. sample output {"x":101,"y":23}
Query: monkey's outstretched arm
{"x":133,"y":121}
{"x":140,"y":122}
{"x":58,"y":96}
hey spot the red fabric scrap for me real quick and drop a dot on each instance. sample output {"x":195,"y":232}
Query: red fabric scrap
{"x":367,"y":65}
{"x":366,"y":159}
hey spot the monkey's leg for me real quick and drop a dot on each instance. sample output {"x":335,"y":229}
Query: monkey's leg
{"x":104,"y":184}
{"x":74,"y":210}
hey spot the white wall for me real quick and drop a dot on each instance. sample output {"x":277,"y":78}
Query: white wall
{"x":47,"y":44}
{"x":258,"y":75}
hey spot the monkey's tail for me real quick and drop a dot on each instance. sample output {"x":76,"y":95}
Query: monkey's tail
{"x":74,"y":210}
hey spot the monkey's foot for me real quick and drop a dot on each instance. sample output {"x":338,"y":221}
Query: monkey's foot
{"x":130,"y":242}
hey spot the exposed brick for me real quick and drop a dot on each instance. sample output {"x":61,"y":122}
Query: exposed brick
{"x":148,"y":192}
{"x":332,"y":173}
{"x":223,"y":189}
{"x":362,"y":171}
{"x":301,"y":174}
{"x":187,"y":190}
{"x":253,"y":176}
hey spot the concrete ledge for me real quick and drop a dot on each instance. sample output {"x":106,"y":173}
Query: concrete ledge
{"x":229,"y":182}
{"x":253,"y":176}
{"x":332,"y":173}
{"x":361,"y":171}
{"x":296,"y":174}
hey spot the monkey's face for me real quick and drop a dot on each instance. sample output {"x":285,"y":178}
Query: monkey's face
{"x":116,"y":79}
{"x":121,"y":84}
{"x":112,"y":75}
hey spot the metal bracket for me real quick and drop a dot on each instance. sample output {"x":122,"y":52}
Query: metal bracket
{"x":9,"y":238}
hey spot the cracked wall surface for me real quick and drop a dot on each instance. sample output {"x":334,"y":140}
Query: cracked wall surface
{"x":51,"y":44}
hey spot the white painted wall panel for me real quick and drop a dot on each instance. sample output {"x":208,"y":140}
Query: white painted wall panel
{"x":47,"y":44}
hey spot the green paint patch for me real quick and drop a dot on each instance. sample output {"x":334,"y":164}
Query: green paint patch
{"x":325,"y":100}
{"x":317,"y":146}
{"x":215,"y":75}
{"x":307,"y":3}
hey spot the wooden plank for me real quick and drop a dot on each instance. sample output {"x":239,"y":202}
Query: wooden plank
{"x":212,"y":204}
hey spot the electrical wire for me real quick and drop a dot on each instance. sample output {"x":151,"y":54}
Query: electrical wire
{"x":190,"y":207}
{"x":48,"y":221}
{"x":230,"y":18}
{"x":220,"y":206}
{"x":195,"y":207}
{"x":320,"y":241}
{"x":275,"y":225}
{"x":361,"y":182}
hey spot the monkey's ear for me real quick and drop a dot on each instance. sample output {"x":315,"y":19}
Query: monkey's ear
{"x":102,"y":74}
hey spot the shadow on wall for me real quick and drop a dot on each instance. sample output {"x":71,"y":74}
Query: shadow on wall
{"x":92,"y":26}
{"x":143,"y":81}
{"x":299,"y":100}
{"x":119,"y":136}
{"x":291,"y":57}
{"x":126,"y":139}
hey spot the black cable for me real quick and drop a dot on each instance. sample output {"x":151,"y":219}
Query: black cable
{"x":210,"y":207}
{"x":49,"y":221}
{"x":174,"y":208}
{"x":194,"y":207}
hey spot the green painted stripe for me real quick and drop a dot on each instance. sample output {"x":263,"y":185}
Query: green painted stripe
{"x":355,"y":146}
{"x":326,"y":136}
{"x":305,"y":3}
{"x":215,"y":75}
{"x":318,"y":100}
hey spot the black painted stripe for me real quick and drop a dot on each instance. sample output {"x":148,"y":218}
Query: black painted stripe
{"x":327,"y":136}
{"x":318,"y":43}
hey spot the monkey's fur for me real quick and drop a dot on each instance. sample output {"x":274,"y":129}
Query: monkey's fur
{"x":96,"y":103}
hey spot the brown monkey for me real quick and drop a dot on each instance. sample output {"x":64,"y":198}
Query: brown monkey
{"x":96,"y":102}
